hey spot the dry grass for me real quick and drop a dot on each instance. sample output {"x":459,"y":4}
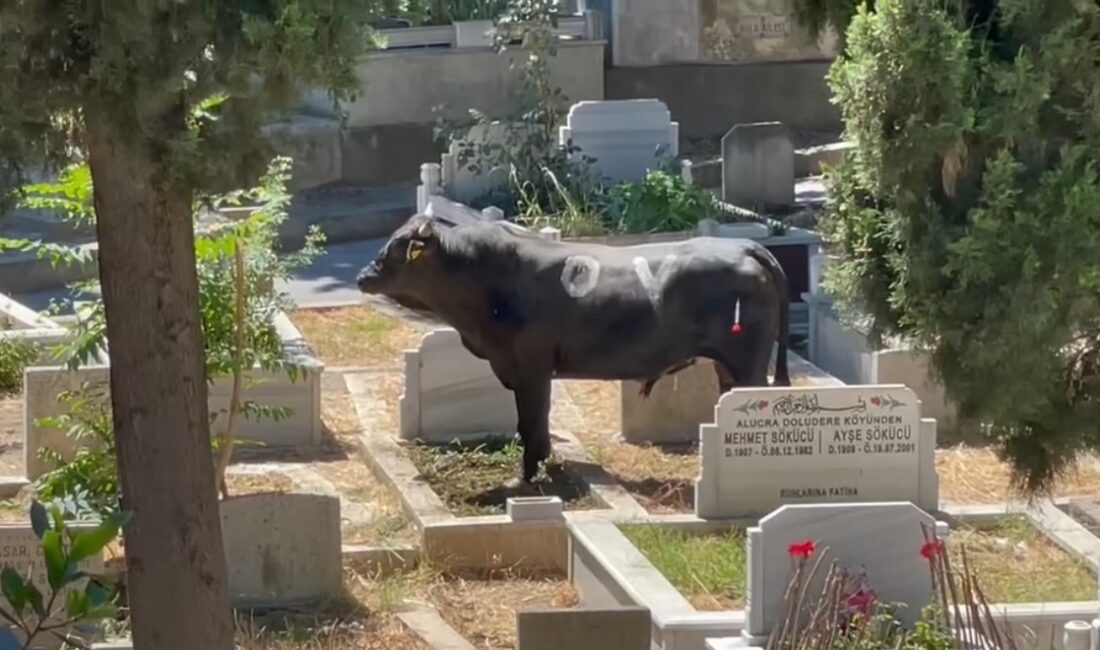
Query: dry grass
{"x":268,"y":482}
{"x":976,"y":475}
{"x":1016,"y":563}
{"x":481,"y":607}
{"x":354,"y":479}
{"x":11,"y":434}
{"x":660,"y":477}
{"x":357,"y":336}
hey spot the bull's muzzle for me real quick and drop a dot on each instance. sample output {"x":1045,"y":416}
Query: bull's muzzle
{"x":369,"y":278}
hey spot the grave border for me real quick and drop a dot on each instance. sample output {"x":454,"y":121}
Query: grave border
{"x":306,"y":389}
{"x":485,"y":541}
{"x":609,"y":571}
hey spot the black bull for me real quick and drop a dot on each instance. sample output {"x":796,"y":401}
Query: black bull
{"x":537,"y":309}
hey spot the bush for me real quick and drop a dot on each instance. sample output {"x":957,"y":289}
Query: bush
{"x":966,"y":218}
{"x":663,"y":202}
{"x":15,"y":356}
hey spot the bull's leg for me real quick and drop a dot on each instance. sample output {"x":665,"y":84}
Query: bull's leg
{"x":726,"y":379}
{"x":533,"y":407}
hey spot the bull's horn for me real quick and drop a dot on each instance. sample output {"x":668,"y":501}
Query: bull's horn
{"x":424,"y":230}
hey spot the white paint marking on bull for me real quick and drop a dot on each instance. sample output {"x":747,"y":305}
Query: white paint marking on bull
{"x":652,"y":285}
{"x":579,"y":275}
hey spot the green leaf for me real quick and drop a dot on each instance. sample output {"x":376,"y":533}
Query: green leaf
{"x":14,"y":589}
{"x":55,"y":559}
{"x":76,"y":604}
{"x":40,"y":519}
{"x":88,"y":543}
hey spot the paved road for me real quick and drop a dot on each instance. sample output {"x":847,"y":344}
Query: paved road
{"x":329,"y":280}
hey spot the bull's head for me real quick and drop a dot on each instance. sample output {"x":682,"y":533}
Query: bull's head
{"x":404,"y":267}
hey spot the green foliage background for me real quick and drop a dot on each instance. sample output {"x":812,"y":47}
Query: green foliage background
{"x":967,"y":219}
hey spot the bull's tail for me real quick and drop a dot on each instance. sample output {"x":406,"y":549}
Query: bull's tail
{"x":765,"y":257}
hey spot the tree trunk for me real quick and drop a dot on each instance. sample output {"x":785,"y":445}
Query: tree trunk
{"x":176,"y":571}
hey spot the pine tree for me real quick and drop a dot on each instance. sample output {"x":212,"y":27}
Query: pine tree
{"x":967,"y":220}
{"x":163,"y":99}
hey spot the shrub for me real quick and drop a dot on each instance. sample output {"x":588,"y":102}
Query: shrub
{"x":15,"y":356}
{"x":663,"y":202}
{"x":966,"y":218}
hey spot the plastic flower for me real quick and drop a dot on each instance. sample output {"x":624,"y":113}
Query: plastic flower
{"x":930,"y":550}
{"x":876,"y":401}
{"x":762,"y":404}
{"x":803,"y":549}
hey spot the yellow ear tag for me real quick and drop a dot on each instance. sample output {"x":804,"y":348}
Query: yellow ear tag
{"x":413,"y":252}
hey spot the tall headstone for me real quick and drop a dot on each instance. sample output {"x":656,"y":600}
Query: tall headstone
{"x":468,"y":172}
{"x":627,"y":137}
{"x":853,"y":444}
{"x":883,"y":540}
{"x":758,"y":166}
{"x":451,"y":394}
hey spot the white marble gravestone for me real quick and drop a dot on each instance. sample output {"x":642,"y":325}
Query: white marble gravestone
{"x":773,"y":446}
{"x":466,"y":184}
{"x":758,"y":166}
{"x":883,"y":540}
{"x":627,"y":137}
{"x":451,"y":394}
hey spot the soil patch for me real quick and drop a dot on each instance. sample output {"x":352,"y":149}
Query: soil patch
{"x":360,"y":336}
{"x":481,"y":607}
{"x":471,"y":480}
{"x":708,"y":569}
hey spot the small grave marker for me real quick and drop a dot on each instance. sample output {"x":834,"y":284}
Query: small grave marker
{"x":773,"y":446}
{"x":883,"y":540}
{"x":758,"y":166}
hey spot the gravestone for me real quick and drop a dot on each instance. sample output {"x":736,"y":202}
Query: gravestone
{"x":758,"y":166}
{"x":465,"y":183}
{"x":883,"y":540}
{"x":21,"y":549}
{"x":627,"y":137}
{"x":675,"y":407}
{"x":451,"y":394}
{"x":628,"y":628}
{"x":282,"y":550}
{"x":773,"y":446}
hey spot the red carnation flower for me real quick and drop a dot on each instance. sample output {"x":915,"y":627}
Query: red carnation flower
{"x":929,"y":550}
{"x":876,"y":401}
{"x":762,"y":404}
{"x":802,"y":549}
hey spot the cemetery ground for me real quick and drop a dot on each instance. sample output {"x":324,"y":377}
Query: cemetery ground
{"x":1015,"y":561}
{"x":660,"y":477}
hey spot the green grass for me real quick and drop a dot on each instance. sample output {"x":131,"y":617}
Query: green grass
{"x":708,"y":569}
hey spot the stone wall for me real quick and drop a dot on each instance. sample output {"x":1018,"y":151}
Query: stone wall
{"x":659,"y":32}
